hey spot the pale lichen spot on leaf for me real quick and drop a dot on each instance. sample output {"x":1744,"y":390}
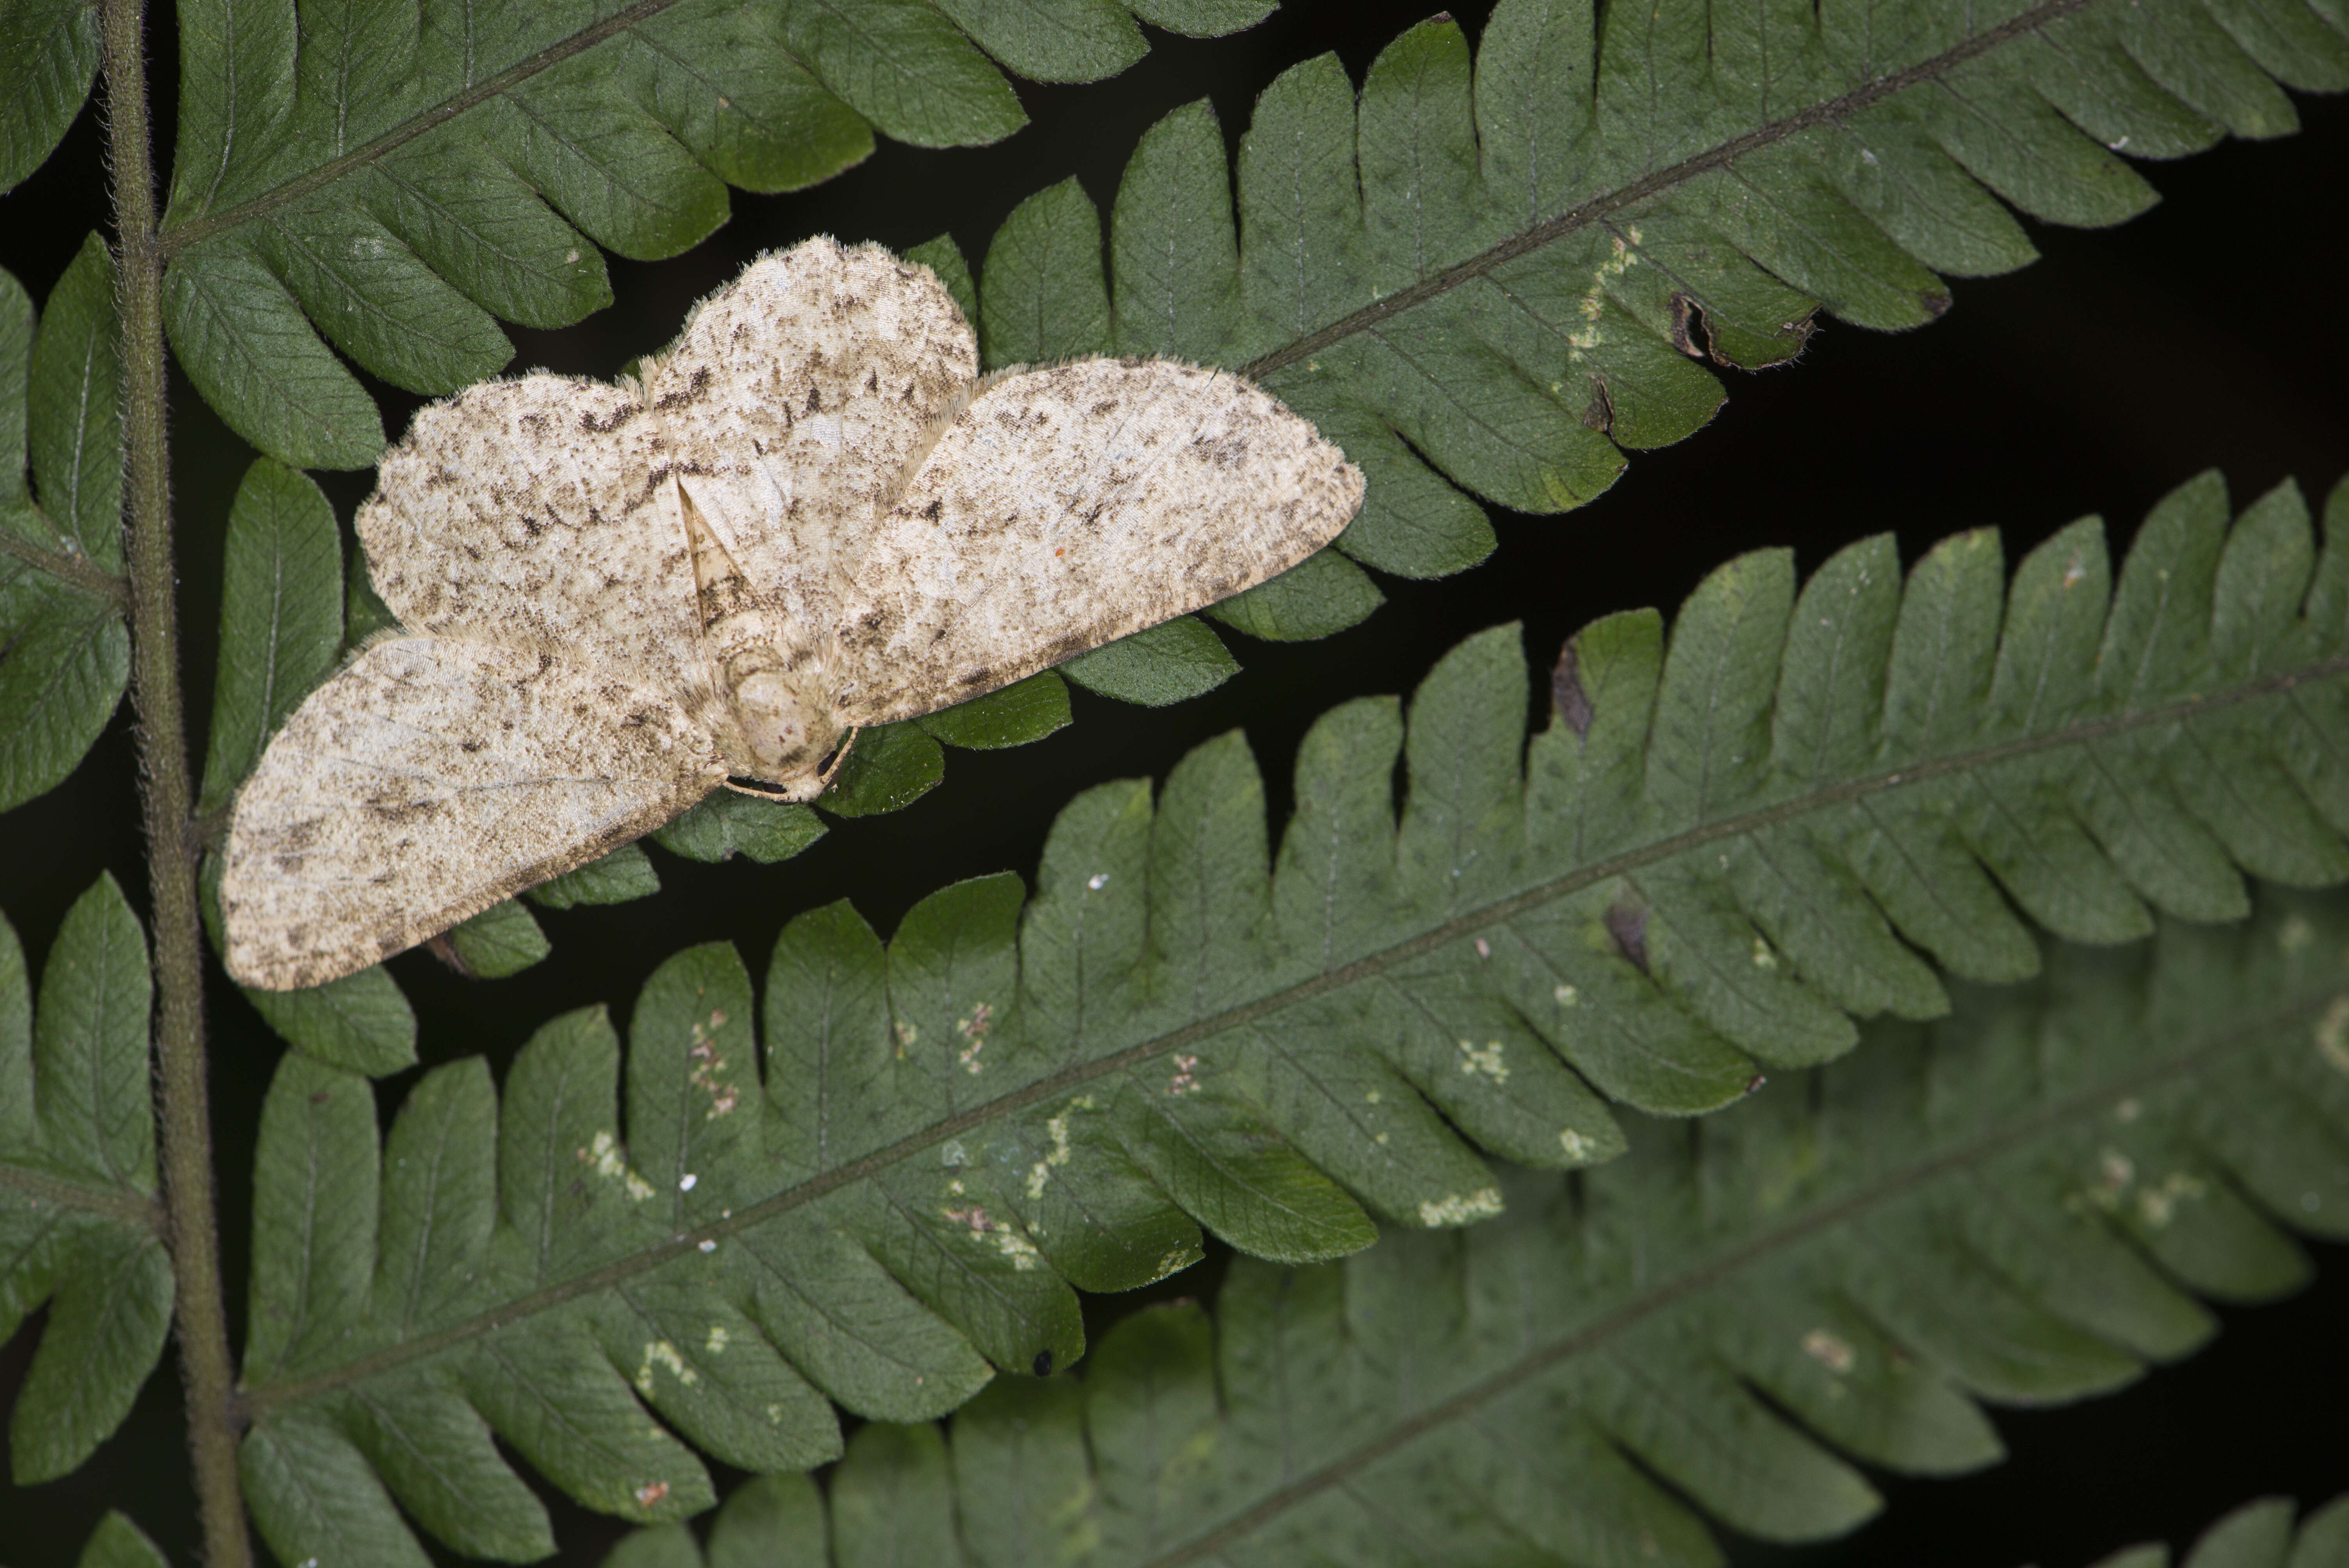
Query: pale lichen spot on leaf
{"x":907,"y":1036}
{"x":716,"y":1343}
{"x":1461,"y":1209}
{"x":604,"y":1157}
{"x":1829,"y":1351}
{"x":659,"y":1354}
{"x":973,"y":1030}
{"x":1566,"y":997}
{"x":1593,"y":303}
{"x":2333,"y":1035}
{"x":2158,"y":1203}
{"x":1185,"y":1079}
{"x":954,"y":1153}
{"x":1489,"y":1060}
{"x":1057,"y":1129}
{"x":1763,"y":957}
{"x":1576,"y":1146}
{"x":1097,"y":881}
{"x":1373,"y":1098}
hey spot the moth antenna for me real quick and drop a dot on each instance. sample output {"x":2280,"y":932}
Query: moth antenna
{"x":839,"y":757}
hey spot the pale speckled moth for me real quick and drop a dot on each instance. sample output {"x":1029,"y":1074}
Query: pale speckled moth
{"x":811,"y":515}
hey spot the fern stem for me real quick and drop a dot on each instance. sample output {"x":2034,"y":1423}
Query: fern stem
{"x":200,"y":1310}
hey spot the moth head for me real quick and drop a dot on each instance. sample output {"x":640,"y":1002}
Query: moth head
{"x":788,"y":727}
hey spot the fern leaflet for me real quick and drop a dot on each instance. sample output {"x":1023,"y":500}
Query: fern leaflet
{"x":1991,"y":1208}
{"x":65,"y":656}
{"x":80,"y":1228}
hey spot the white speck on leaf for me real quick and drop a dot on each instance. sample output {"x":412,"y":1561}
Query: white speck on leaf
{"x":1829,"y":1351}
{"x":685,"y":1182}
{"x":1461,"y":1209}
{"x":2333,"y":1035}
{"x":1098,"y":881}
{"x":1489,"y":1060}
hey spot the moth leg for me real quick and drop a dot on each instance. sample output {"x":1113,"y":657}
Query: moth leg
{"x":790,"y":797}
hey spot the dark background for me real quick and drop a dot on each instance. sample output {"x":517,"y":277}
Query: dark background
{"x":2208,"y":332}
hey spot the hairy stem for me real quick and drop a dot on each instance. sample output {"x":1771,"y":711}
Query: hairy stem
{"x":185,"y":1112}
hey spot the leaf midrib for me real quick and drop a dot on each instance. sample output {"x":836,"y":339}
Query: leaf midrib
{"x":1870,"y":1194}
{"x":263,"y":1396}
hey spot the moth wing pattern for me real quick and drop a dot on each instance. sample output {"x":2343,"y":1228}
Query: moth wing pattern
{"x":427,"y":781}
{"x":533,"y":514}
{"x":795,"y":398}
{"x":1066,"y":507}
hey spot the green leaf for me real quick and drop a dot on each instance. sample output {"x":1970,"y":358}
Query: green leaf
{"x":1172,"y":662}
{"x":945,"y":258}
{"x":76,"y":414}
{"x":2259,"y":1534}
{"x":65,"y":660}
{"x":243,"y":340}
{"x":1051,"y":40}
{"x":725,"y":824}
{"x":65,"y":657}
{"x":364,"y":612}
{"x":119,"y":1543}
{"x":49,"y":58}
{"x":2015,"y":1205}
{"x":1041,"y":294}
{"x":1022,"y":712}
{"x":1320,"y":596}
{"x":281,"y":618}
{"x":888,"y":768}
{"x":624,"y":874}
{"x":361,"y":1022}
{"x":79,"y":1222}
{"x":435,"y":182}
{"x":502,"y":940}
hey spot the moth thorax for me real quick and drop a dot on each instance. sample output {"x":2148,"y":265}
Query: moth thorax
{"x":787,"y":726}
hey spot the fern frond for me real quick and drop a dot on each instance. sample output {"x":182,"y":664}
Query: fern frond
{"x":80,"y":1226}
{"x":399,"y":182}
{"x":1498,"y":279}
{"x":65,"y":656}
{"x":2259,"y":1534}
{"x":2009,"y":1206}
{"x":1696,"y":873}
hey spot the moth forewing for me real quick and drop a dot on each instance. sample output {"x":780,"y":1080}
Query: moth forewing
{"x":534,"y":514}
{"x":1066,"y":507}
{"x":429,"y":780}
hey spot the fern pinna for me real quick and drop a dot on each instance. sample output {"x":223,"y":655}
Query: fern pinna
{"x":1489,"y":274}
{"x":2016,"y":1203}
